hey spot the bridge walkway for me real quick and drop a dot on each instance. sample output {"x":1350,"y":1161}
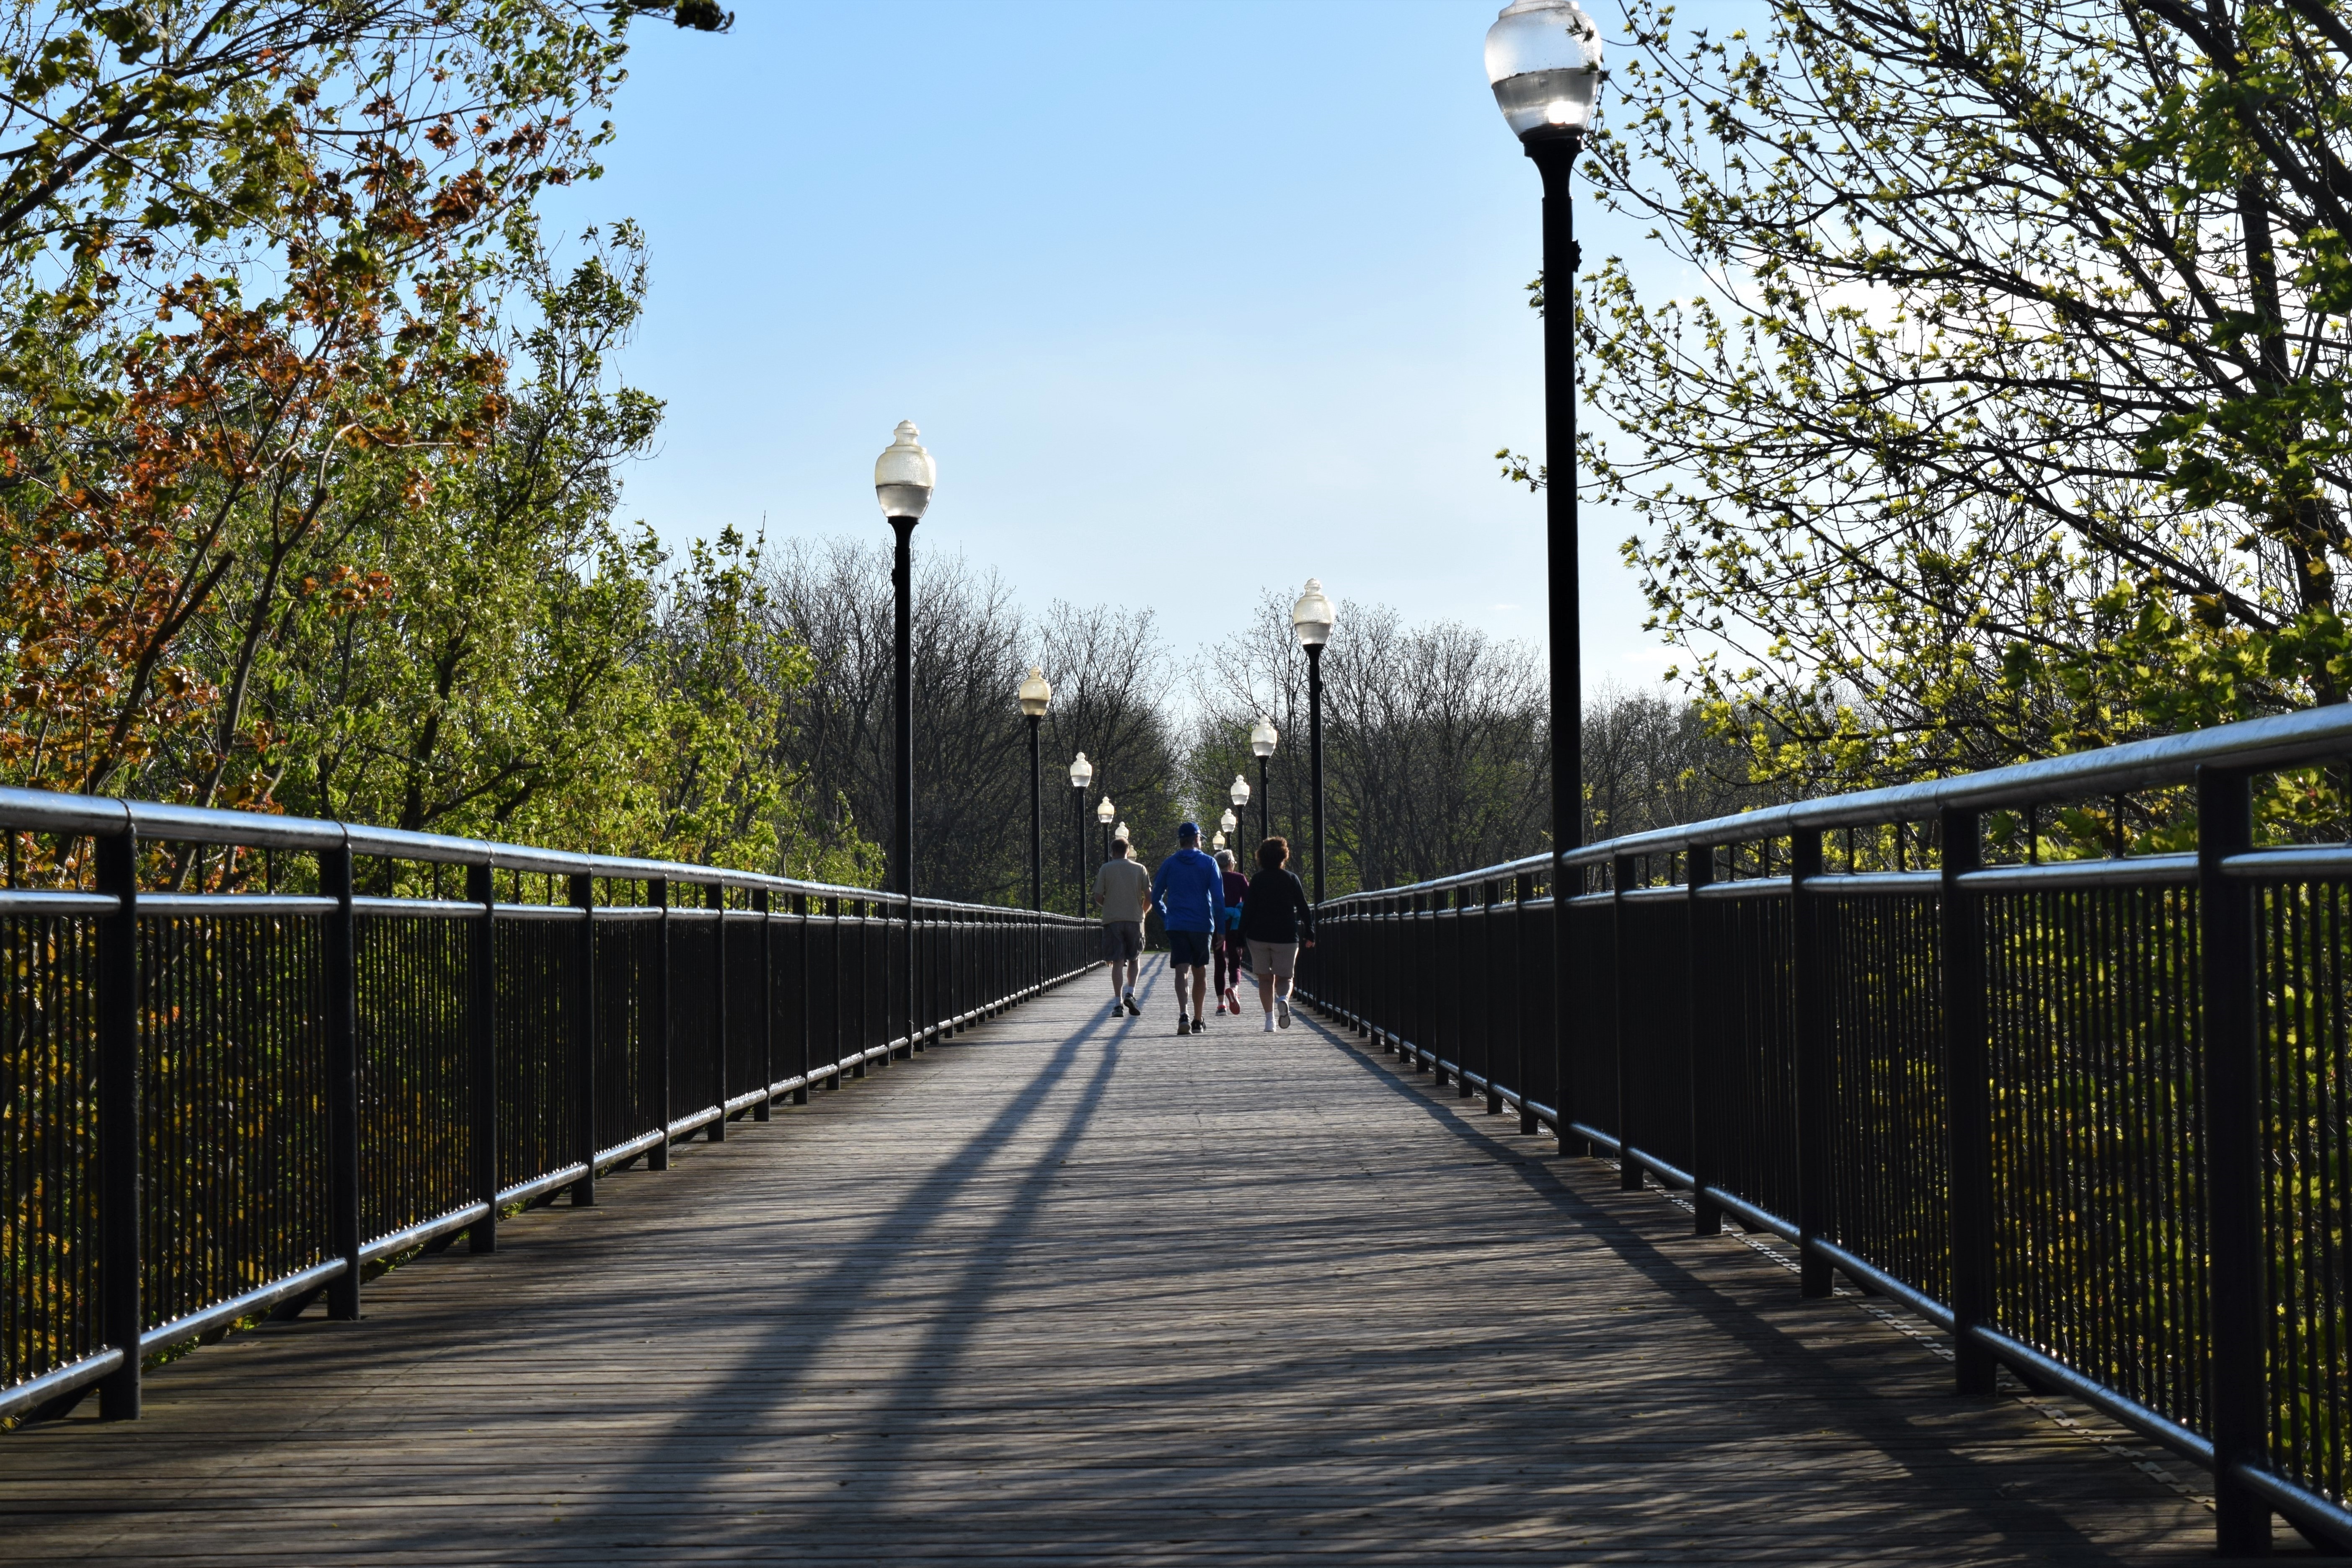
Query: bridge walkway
{"x":1069,"y":1290}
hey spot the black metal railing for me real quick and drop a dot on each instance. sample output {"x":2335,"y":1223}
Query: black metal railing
{"x":216,"y":1104}
{"x":2090,"y":1113}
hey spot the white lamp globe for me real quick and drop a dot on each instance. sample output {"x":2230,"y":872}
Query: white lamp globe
{"x":1313,"y":617}
{"x":1240,"y":792}
{"x":904,"y":474}
{"x":1082,"y":773}
{"x":1263,"y":736}
{"x":1543,"y":59}
{"x":1035,"y":695}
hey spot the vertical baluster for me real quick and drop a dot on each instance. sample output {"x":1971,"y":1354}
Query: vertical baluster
{"x":1702,"y":971}
{"x":482,"y":1048}
{"x":1810,"y":1030}
{"x":341,"y":986}
{"x":2234,"y":1241}
{"x":1620,"y":876}
{"x":656,"y":1026}
{"x":714,"y":896}
{"x":1967,"y":1098}
{"x":761,"y":905}
{"x":1523,"y":949}
{"x":119,"y":1199}
{"x":806,"y":986}
{"x":582,"y":889}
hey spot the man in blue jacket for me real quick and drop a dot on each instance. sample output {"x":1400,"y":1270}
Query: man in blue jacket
{"x":1190,"y":891}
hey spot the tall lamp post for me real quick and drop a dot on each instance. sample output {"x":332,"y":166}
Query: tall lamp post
{"x":1226,"y":825}
{"x":1312,"y":618}
{"x":1106,"y":813}
{"x":1239,"y":794}
{"x":1262,"y":737}
{"x":1543,"y":59}
{"x":903,"y":475}
{"x":1082,"y":773}
{"x":1035,"y":696}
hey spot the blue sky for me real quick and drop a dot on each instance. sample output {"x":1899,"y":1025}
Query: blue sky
{"x":1189,"y":300}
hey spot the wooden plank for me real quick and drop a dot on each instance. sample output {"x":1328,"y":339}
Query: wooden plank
{"x":1069,"y":1290}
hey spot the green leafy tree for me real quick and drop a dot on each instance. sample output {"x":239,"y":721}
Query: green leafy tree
{"x":2010,"y":415}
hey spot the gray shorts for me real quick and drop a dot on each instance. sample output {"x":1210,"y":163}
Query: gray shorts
{"x":1122,"y":940}
{"x":1277,"y":958}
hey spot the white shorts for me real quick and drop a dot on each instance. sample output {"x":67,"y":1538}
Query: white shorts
{"x":1278,"y":959}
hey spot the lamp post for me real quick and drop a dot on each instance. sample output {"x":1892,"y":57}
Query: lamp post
{"x":1106,"y":813}
{"x":1218,"y":840}
{"x":1543,"y":59}
{"x":903,"y":475}
{"x":1035,"y":696}
{"x":1312,"y":618}
{"x":1262,"y":737}
{"x":1239,"y":794}
{"x":1227,"y":824}
{"x":1082,"y":773}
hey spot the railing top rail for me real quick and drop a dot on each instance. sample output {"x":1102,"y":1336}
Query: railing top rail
{"x":2281,"y":740}
{"x":43,"y":811}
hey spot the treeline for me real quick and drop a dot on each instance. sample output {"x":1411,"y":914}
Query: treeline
{"x":1436,"y":742}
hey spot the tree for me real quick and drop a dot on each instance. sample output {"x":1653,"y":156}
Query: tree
{"x":1435,"y":743}
{"x":972,"y":646}
{"x":2010,"y":418}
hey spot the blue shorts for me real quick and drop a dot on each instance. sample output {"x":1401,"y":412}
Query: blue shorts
{"x":1189,"y":948}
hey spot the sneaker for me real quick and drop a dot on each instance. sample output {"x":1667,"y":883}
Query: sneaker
{"x":1118,"y":1009}
{"x":1282,"y":1008}
{"x":1269,"y":1023}
{"x":1221,"y":1007}
{"x":1199,"y":1028}
{"x":1131,"y":1006}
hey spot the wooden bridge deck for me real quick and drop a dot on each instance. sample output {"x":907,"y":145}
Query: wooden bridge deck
{"x":1067,"y":1292}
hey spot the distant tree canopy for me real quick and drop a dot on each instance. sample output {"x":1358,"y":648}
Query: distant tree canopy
{"x":2010,"y":417}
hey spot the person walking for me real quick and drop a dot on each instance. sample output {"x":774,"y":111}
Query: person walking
{"x":1123,"y":892}
{"x":1275,"y":919}
{"x":1229,"y":935}
{"x":1189,"y":893}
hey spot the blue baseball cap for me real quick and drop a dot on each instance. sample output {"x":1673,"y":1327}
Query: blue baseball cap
{"x":1188,"y":831}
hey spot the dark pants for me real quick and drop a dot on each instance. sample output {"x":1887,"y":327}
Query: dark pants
{"x":1229,"y":961}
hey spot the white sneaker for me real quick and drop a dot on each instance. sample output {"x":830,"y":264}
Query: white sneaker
{"x":1282,"y":1006}
{"x":1269,"y":1023}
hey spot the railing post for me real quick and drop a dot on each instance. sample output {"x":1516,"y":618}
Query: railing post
{"x":342,"y":1084}
{"x":2227,"y":917}
{"x":122,"y":1317}
{"x":801,"y":908}
{"x":482,"y":1039}
{"x":1621,"y":943}
{"x":1810,"y":1030}
{"x":760,"y":904}
{"x":1490,"y":1052}
{"x":1967,"y":1098}
{"x":1701,"y":967}
{"x":714,"y":896}
{"x":1565,"y":879}
{"x":1523,"y":888}
{"x":657,"y":1007}
{"x":839,"y":1013}
{"x":580,"y":890}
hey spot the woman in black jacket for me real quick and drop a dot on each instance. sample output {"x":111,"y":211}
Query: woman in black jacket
{"x":1276,"y":919}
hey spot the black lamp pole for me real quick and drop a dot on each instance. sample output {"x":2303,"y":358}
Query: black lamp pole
{"x":1315,"y":754}
{"x":902,"y":833}
{"x":1078,"y":846}
{"x":1555,"y":155}
{"x":1264,"y":820}
{"x":1036,"y":823}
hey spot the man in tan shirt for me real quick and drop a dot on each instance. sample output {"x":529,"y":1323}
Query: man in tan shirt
{"x":1122,"y":891}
